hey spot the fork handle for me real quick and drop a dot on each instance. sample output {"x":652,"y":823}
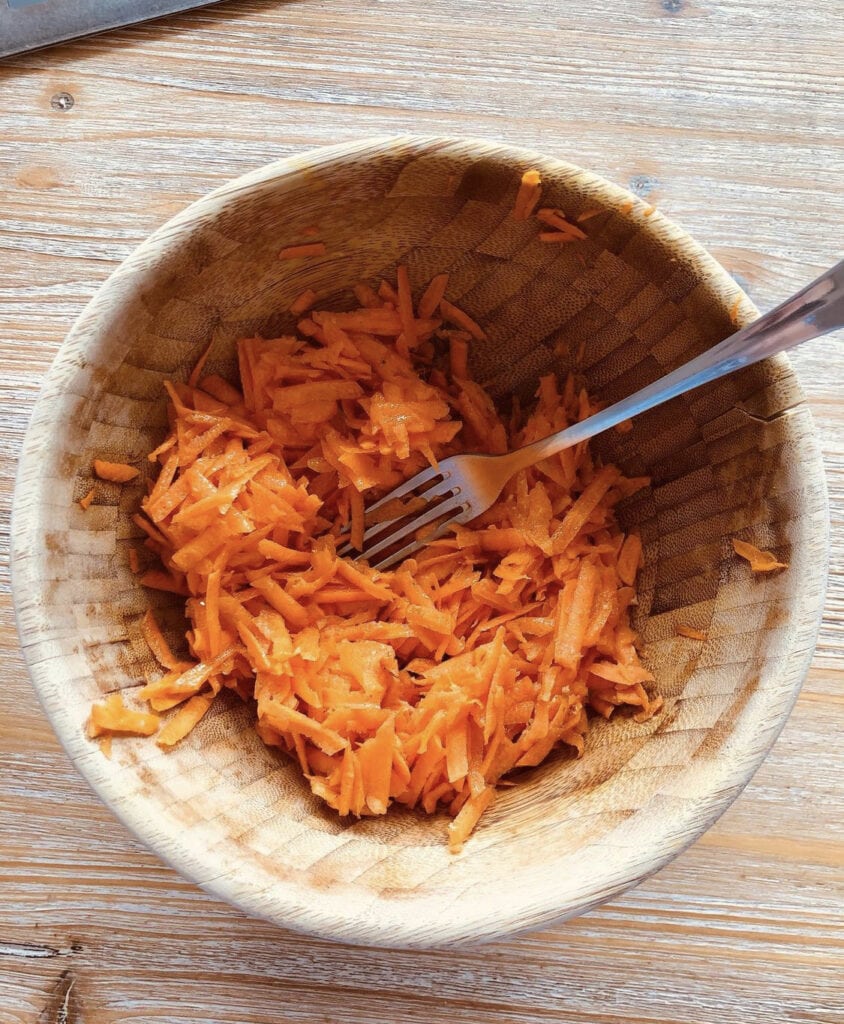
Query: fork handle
{"x":814,"y":310}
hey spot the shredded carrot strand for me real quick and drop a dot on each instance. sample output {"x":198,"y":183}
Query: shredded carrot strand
{"x":303,"y":302}
{"x":408,"y":324}
{"x":690,"y":632}
{"x":295,"y":252}
{"x":530,"y":189}
{"x":760,"y":561}
{"x":117,"y":472}
{"x":196,"y":372}
{"x":432,"y":296}
{"x":457,"y":316}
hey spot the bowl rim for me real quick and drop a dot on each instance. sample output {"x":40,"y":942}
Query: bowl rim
{"x":402,"y":929}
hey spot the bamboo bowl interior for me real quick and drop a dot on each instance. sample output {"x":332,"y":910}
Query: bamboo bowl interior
{"x":733,"y":459}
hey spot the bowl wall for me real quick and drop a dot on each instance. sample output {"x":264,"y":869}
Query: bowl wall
{"x":633,"y":301}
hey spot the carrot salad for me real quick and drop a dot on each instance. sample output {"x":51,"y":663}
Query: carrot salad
{"x":424,"y":685}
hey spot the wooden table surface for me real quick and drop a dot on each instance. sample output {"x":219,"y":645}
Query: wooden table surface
{"x":725,"y":113}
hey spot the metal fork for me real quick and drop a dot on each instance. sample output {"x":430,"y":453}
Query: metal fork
{"x":464,"y":486}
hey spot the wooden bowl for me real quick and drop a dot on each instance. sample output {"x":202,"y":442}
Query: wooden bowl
{"x":736,"y":459}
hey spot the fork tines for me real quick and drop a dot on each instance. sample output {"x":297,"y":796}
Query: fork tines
{"x":442,"y":499}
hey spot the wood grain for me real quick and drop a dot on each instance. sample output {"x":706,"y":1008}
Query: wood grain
{"x":732,"y":125}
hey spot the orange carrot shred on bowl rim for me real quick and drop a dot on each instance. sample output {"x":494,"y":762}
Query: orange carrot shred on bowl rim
{"x":461,"y":319}
{"x":303,"y":302}
{"x":116,"y":472}
{"x":423,"y":685}
{"x":530,"y":189}
{"x":302,"y":250}
{"x":760,"y":561}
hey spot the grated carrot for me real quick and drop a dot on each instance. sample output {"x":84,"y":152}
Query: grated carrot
{"x":303,"y":302}
{"x":629,"y":558}
{"x":134,"y":561}
{"x":117,"y":472}
{"x":185,"y":719}
{"x":557,"y":236}
{"x":157,"y":644}
{"x":85,"y":503}
{"x":424,"y":685}
{"x":760,"y":561}
{"x":530,"y":190}
{"x":295,"y":252}
{"x":557,"y":220}
{"x":433,"y":295}
{"x":112,"y":716}
{"x":405,"y":306}
{"x":457,"y":316}
{"x":196,"y":372}
{"x":690,"y":632}
{"x":458,"y":356}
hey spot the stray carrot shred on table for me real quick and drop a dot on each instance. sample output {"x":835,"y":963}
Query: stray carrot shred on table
{"x":85,"y":503}
{"x":134,"y":560}
{"x":760,"y":561}
{"x":427,"y":684}
{"x":116,"y":472}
